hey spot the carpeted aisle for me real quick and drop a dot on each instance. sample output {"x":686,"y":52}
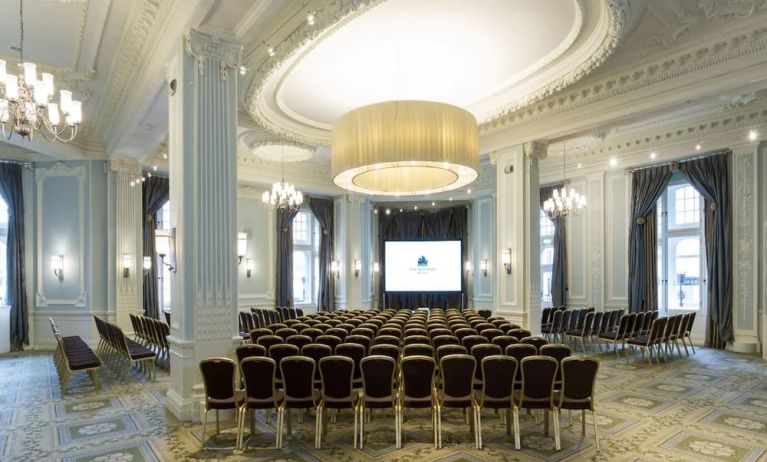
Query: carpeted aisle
{"x":710,"y":406}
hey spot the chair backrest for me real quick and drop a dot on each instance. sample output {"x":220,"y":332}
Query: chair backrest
{"x":537,"y":342}
{"x":490,"y":334}
{"x":463,"y":332}
{"x":588,"y":323}
{"x":311,"y":332}
{"x":337,"y":373}
{"x":285,"y":332}
{"x":298,"y":378}
{"x":386,"y":340}
{"x":538,"y":374}
{"x":267,"y":341}
{"x":505,"y":340}
{"x":417,"y":349}
{"x":499,"y":372}
{"x":248,"y":350}
{"x":258,"y":375}
{"x":656,"y":330}
{"x":383,"y":349}
{"x":481,"y":351}
{"x":579,"y":377}
{"x":519,"y":333}
{"x":556,"y":320}
{"x":441,"y":340}
{"x":363,"y":340}
{"x":298,"y":340}
{"x":458,"y":373}
{"x":330,"y":340}
{"x":218,"y":377}
{"x":566,"y":319}
{"x":471,"y":340}
{"x":356,"y":352}
{"x":545,"y":313}
{"x":378,"y":376}
{"x":417,"y":377}
{"x":416,"y":339}
{"x":316,"y":351}
{"x":281,"y":351}
{"x":392,"y":331}
{"x":624,"y":325}
{"x":338,"y":332}
{"x":519,"y":352}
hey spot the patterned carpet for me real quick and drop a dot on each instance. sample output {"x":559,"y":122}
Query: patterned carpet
{"x":711,"y":406}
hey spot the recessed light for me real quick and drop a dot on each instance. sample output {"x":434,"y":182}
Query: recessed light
{"x":580,"y":165}
{"x":243,"y":70}
{"x":469,"y":191}
{"x":432,"y":204}
{"x":375,"y":211}
{"x":753,"y":135}
{"x":400,"y":210}
{"x":450,"y":199}
{"x":653,"y":155}
{"x":415,"y":208}
{"x":613,"y":162}
{"x":698,"y":147}
{"x":310,"y":19}
{"x":388,"y":211}
{"x":270,"y":51}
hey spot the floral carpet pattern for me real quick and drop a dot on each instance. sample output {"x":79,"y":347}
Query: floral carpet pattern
{"x":711,"y":406}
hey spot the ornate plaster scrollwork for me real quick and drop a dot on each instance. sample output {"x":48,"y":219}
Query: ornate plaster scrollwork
{"x":201,"y":45}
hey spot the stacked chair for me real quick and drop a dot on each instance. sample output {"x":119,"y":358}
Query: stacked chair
{"x":359,"y":361}
{"x":73,"y":355}
{"x":122,"y":353}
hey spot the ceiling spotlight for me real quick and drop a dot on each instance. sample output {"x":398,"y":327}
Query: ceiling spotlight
{"x":450,"y":199}
{"x":432,"y":204}
{"x":270,"y":51}
{"x":697,"y":147}
{"x":243,"y":70}
{"x":310,"y":19}
{"x":653,"y":155}
{"x":613,"y":162}
{"x":415,"y":208}
{"x":753,"y":135}
{"x":580,"y":165}
{"x":400,"y":210}
{"x":388,"y":211}
{"x":375,"y":211}
{"x":468,"y":191}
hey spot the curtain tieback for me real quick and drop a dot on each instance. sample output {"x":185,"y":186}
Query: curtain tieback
{"x":713,"y":207}
{"x":640,"y":221}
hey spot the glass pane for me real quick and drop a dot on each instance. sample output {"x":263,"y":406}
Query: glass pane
{"x":547,"y":227}
{"x":301,"y":276}
{"x":163,"y":217}
{"x":687,"y":205}
{"x":301,"y":228}
{"x":684,"y":273}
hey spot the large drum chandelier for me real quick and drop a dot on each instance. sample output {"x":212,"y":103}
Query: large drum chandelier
{"x":283,"y":196}
{"x":26,"y":103}
{"x":402,"y":148}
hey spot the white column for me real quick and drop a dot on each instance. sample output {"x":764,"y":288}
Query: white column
{"x":596,"y":234}
{"x":744,"y":187}
{"x":353,"y":243}
{"x":203,"y":194}
{"x":517,"y":205}
{"x":128,"y":236}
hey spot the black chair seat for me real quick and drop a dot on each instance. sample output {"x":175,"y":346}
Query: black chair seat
{"x":265,"y":403}
{"x":379,"y":403}
{"x":608,"y":335}
{"x":450,"y":401}
{"x":227,"y":403}
{"x":84,"y":362}
{"x":575,"y":333}
{"x":642,"y":341}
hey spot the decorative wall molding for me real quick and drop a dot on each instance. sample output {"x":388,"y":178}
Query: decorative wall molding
{"x":595,"y":211}
{"x":745,"y":242}
{"x":201,"y":46}
{"x":79,"y":173}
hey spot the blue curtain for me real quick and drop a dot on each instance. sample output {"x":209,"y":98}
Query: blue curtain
{"x":155,"y":193}
{"x":559,"y":265}
{"x":322,"y":209}
{"x":444,"y":224}
{"x":647,"y":186}
{"x":710,"y":177}
{"x":12,"y":193}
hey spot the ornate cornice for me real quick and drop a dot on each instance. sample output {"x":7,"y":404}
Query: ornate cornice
{"x":535,"y":149}
{"x":717,"y":51}
{"x":125,"y":165}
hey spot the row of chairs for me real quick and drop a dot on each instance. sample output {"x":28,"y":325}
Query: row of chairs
{"x":662,"y":335}
{"x":260,"y":317}
{"x":119,"y":351}
{"x":153,"y":334}
{"x":280,"y":350}
{"x":73,"y":355}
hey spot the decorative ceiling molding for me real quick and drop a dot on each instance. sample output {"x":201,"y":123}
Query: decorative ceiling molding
{"x":609,"y":17}
{"x":717,"y":51}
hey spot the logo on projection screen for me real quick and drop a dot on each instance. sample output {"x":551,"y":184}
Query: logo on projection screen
{"x":423,"y":261}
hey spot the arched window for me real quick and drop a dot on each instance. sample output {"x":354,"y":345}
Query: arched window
{"x":306,"y":261}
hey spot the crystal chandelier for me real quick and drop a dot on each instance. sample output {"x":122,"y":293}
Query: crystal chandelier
{"x":26,"y":103}
{"x":563,"y":202}
{"x":283,"y":195}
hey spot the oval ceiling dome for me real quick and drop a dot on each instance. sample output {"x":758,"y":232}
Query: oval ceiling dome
{"x":481,"y":55}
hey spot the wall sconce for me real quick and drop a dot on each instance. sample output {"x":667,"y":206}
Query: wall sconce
{"x":506,"y":260}
{"x":467,"y":266}
{"x":376,"y":267}
{"x":165,"y":242}
{"x":483,"y":267}
{"x":147,"y":264}
{"x":242,"y":246}
{"x":57,"y":265}
{"x":248,"y":266}
{"x":357,"y":268}
{"x":127,"y":263}
{"x":335,"y":268}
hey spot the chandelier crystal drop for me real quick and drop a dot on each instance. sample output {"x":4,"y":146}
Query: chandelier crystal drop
{"x":563,"y":202}
{"x":27,"y":105}
{"x":283,"y":196}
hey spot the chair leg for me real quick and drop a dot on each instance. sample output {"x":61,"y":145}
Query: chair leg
{"x":204,"y":428}
{"x":557,"y":442}
{"x":596,"y":432}
{"x":240,"y":427}
{"x":437,"y":421}
{"x":516,"y":428}
{"x":280,"y":414}
{"x":398,"y":425}
{"x":691,"y":345}
{"x":361,"y":412}
{"x":319,"y":422}
{"x":290,"y":422}
{"x":478,"y":426}
{"x":218,"y":424}
{"x":508,"y":421}
{"x":356,"y":428}
{"x":546,"y":422}
{"x":583,"y":424}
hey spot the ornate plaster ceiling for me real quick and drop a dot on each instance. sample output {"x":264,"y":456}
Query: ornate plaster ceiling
{"x":483,"y":55}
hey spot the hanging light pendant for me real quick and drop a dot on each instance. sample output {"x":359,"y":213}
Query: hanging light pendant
{"x":283,"y":196}
{"x":563,"y":202}
{"x":26,"y":103}
{"x":401,"y":148}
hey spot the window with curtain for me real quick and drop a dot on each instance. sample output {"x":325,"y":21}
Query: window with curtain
{"x":163,"y":273}
{"x":306,"y":258}
{"x":547,"y":257}
{"x":3,"y":252}
{"x":681,"y":249}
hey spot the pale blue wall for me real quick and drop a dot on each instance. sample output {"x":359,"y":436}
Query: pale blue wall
{"x":254,"y":219}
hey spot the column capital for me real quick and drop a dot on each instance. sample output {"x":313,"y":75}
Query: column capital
{"x":535,"y":149}
{"x":205,"y":45}
{"x":125,"y":165}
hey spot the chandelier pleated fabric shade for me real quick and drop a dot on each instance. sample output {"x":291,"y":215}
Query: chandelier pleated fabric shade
{"x":402,"y":148}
